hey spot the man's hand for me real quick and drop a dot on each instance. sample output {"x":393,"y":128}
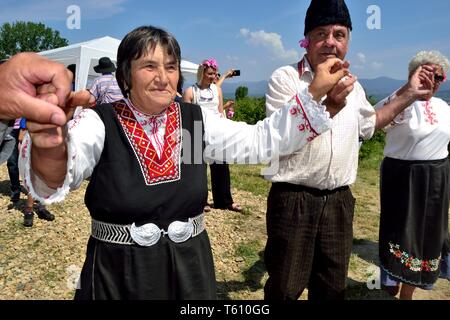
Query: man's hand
{"x":49,"y":145}
{"x":19,"y":78}
{"x":81,"y":98}
{"x":327,"y":76}
{"x":47,"y":136}
{"x":337,"y":97}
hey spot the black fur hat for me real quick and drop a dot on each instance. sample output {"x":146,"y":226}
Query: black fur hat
{"x":325,"y":12}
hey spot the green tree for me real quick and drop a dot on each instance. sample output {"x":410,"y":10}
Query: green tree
{"x":28,"y":36}
{"x":241,"y":92}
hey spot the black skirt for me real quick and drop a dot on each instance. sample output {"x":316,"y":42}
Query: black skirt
{"x":164,"y":271}
{"x":414,"y":219}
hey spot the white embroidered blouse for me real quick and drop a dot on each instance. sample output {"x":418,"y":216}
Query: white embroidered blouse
{"x":420,"y":132}
{"x":289,"y":129}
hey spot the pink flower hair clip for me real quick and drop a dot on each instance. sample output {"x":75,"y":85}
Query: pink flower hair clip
{"x":211,"y":63}
{"x":304,"y":43}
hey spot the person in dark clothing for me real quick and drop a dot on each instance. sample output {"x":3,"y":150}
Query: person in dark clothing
{"x":13,"y":164}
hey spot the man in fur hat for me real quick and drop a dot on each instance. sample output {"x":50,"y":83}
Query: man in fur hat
{"x":310,"y":206}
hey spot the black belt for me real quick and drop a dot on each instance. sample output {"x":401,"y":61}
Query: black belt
{"x":285,"y":186}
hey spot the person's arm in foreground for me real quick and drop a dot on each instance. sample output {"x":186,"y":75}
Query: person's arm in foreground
{"x":48,"y":152}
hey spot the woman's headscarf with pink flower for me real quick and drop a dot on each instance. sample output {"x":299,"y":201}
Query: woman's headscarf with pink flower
{"x":210,"y":63}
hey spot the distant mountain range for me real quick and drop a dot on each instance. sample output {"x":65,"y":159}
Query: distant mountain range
{"x":379,"y":88}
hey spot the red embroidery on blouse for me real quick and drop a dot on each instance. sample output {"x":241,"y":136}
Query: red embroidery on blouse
{"x":155,"y":170}
{"x":76,"y":121}
{"x":305,"y":125}
{"x":25,"y":147}
{"x":430,"y":116}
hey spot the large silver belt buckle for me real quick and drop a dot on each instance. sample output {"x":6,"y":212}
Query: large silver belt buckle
{"x":149,"y":234}
{"x":145,"y":235}
{"x":180,"y":231}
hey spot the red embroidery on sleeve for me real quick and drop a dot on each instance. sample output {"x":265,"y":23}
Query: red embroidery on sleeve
{"x":305,"y":125}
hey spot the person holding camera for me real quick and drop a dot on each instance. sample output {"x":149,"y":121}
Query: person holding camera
{"x":208,"y":96}
{"x":229,"y":74}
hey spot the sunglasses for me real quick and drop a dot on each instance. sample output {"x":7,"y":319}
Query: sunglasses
{"x":439,"y":78}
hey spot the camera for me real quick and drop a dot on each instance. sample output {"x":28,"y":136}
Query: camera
{"x":236,"y":73}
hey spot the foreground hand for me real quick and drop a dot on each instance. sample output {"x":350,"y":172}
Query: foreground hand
{"x":81,"y":98}
{"x":327,"y":76}
{"x":48,"y":136}
{"x":19,"y":78}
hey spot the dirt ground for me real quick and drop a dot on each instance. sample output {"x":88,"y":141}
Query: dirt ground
{"x":43,"y":262}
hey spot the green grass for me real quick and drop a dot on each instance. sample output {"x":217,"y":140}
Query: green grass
{"x":249,"y":251}
{"x":248,"y":178}
{"x":254,"y":268}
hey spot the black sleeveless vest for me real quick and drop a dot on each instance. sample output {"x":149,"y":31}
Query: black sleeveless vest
{"x":123,"y":187}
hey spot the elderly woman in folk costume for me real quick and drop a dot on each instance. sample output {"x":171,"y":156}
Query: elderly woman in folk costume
{"x":208,"y":96}
{"x":147,"y":185}
{"x":415,"y":188}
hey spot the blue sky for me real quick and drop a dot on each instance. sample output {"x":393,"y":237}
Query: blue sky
{"x":254,"y":36}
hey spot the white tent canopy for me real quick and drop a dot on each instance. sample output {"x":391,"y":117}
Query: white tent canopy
{"x":188,"y":68}
{"x":86,"y":55}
